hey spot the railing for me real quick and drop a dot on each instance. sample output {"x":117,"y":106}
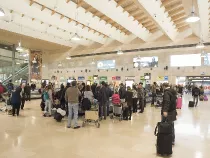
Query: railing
{"x":15,"y":75}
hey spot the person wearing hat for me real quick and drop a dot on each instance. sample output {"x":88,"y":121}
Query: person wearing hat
{"x":140,"y":91}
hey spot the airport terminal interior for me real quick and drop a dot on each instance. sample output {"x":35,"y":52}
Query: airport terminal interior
{"x":104,"y":78}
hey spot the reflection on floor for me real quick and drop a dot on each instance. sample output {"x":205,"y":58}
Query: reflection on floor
{"x":32,"y":136}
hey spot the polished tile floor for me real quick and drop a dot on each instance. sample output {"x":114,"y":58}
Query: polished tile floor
{"x":33,"y":136}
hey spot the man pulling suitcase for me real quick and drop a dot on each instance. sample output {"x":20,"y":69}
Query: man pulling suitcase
{"x":166,"y":131}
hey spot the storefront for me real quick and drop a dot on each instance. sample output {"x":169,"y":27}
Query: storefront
{"x":81,"y":79}
{"x":103,"y":78}
{"x":162,"y":79}
{"x":116,"y":80}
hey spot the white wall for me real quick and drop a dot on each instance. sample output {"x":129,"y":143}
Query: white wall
{"x":125,"y":61}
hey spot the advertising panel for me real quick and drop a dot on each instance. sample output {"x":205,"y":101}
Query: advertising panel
{"x":106,"y":64}
{"x":147,"y":62}
{"x":36,"y":65}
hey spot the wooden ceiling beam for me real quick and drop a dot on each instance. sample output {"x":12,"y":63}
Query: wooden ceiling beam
{"x":62,"y":16}
{"x":31,"y":2}
{"x":69,"y":20}
{"x":169,"y":7}
{"x":53,"y":12}
{"x":133,"y":13}
{"x":80,"y":3}
{"x":120,"y":2}
{"x":181,"y":25}
{"x":67,"y":1}
{"x":128,"y":7}
{"x":88,"y":9}
{"x":167,"y":2}
{"x":178,"y":16}
{"x":151,"y":27}
{"x":179,"y":20}
{"x":22,"y":15}
{"x":43,"y":7}
{"x":174,"y":7}
{"x":175,"y":11}
{"x":181,"y":29}
{"x":153,"y":30}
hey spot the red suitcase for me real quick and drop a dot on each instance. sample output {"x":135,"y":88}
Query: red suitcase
{"x":179,"y":103}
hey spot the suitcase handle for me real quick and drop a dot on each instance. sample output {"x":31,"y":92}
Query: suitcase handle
{"x":155,"y":133}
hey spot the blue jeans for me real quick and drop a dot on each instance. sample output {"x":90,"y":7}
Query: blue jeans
{"x":73,"y":109}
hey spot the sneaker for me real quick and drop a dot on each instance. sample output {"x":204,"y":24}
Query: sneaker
{"x":77,"y":127}
{"x":44,"y":115}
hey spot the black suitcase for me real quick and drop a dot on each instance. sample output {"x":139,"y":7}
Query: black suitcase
{"x":58,"y":117}
{"x":191,"y":104}
{"x":163,"y":131}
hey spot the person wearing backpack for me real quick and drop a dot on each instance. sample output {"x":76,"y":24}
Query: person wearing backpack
{"x":169,"y":107}
{"x":195,"y":94}
{"x":48,"y":101}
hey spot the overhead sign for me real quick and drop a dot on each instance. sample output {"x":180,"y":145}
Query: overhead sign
{"x":103,"y":78}
{"x":80,"y":78}
{"x":106,"y":64}
{"x":118,"y":78}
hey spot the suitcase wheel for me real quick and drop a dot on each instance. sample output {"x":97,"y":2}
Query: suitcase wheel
{"x":97,"y":124}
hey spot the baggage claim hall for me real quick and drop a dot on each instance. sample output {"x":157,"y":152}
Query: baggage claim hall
{"x":104,"y":78}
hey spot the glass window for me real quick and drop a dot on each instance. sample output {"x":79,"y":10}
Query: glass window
{"x":207,"y":60}
{"x":186,"y":60}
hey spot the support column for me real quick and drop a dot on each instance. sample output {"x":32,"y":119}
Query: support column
{"x":13,"y":63}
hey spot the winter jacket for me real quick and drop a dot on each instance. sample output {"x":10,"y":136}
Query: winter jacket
{"x":103,"y":95}
{"x":196,"y":91}
{"x":116,"y":99}
{"x":122,"y":92}
{"x":72,"y":95}
{"x":16,"y":97}
{"x":140,"y":93}
{"x":169,"y":103}
{"x":129,"y":98}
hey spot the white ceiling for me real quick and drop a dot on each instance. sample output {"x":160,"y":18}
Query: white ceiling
{"x":57,"y":21}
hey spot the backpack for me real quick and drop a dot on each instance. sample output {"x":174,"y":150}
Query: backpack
{"x":196,"y":92}
{"x":46,"y":96}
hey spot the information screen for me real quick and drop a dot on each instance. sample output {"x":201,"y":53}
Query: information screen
{"x":106,"y":64}
{"x":145,"y":62}
{"x":186,"y":60}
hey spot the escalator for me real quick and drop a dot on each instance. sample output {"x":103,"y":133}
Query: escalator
{"x":22,"y":73}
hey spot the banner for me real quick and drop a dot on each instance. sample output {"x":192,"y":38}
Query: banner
{"x":81,"y":78}
{"x":36,"y":65}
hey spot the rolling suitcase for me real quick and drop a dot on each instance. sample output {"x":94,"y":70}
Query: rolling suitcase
{"x":179,"y":103}
{"x":201,"y":98}
{"x":205,"y":98}
{"x":191,"y":104}
{"x":163,"y":131}
{"x":58,"y":117}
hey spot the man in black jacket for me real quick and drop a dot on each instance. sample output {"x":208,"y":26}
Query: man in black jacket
{"x":122,"y":91}
{"x":195,"y":93}
{"x":169,"y":106}
{"x":103,"y":99}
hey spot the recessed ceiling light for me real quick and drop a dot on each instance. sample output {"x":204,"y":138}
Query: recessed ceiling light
{"x":2,"y":12}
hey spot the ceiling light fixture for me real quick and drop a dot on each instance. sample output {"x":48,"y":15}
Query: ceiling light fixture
{"x":193,"y":17}
{"x":2,"y":13}
{"x":203,"y":54}
{"x":19,"y":48}
{"x":60,"y":64}
{"x":200,"y":45}
{"x":43,"y":66}
{"x":76,"y":37}
{"x":120,"y":52}
{"x":68,"y":57}
{"x":93,"y":62}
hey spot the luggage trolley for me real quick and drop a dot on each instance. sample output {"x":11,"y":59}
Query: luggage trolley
{"x":118,"y":111}
{"x":92,"y":115}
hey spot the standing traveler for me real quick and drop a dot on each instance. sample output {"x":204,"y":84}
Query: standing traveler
{"x":103,"y":99}
{"x":48,"y":98}
{"x":116,"y":99}
{"x":28,"y":92}
{"x":122,"y":91}
{"x":141,"y":94}
{"x":129,"y":100}
{"x":1,"y":90}
{"x":16,"y":101}
{"x":88,"y":98}
{"x":195,"y":94}
{"x":135,"y":99}
{"x":169,"y":107}
{"x":109,"y":95}
{"x":72,"y":96}
{"x":23,"y":96}
{"x":10,"y":87}
{"x":61,"y":96}
{"x":154,"y":93}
